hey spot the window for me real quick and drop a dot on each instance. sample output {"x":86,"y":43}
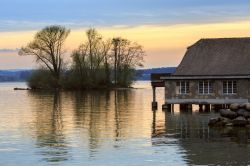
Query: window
{"x":229,"y":87}
{"x":182,"y":87}
{"x":205,"y":87}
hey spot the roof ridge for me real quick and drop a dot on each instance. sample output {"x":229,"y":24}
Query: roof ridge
{"x":224,"y":38}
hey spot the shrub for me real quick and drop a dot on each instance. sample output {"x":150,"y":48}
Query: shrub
{"x":42,"y":79}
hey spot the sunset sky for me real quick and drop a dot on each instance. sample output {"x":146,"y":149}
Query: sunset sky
{"x":164,"y":27}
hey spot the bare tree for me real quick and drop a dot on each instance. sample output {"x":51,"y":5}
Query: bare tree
{"x":127,"y":56}
{"x":107,"y":59}
{"x":92,"y":56}
{"x":115,"y":42}
{"x":94,"y":40}
{"x":47,"y":47}
{"x":96,"y":59}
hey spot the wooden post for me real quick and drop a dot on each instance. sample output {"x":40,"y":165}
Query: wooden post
{"x":212,"y":107}
{"x":154,"y":102}
{"x":154,"y":95}
{"x":154,"y":123}
{"x":224,"y":106}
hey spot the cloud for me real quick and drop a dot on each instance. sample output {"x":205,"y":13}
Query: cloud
{"x":33,"y":15}
{"x":8,"y":50}
{"x":25,"y":25}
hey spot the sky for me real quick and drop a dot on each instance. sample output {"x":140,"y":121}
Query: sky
{"x":165,"y":28}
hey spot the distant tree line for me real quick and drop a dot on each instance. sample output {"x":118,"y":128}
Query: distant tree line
{"x":96,"y":63}
{"x":14,"y":75}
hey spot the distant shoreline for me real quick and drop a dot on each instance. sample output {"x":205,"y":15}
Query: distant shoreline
{"x":16,"y":75}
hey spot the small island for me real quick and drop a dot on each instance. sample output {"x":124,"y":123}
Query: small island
{"x":96,"y":64}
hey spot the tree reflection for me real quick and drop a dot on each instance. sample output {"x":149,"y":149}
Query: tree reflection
{"x":48,"y":126}
{"x":203,"y":145}
{"x":102,"y":114}
{"x":93,"y":119}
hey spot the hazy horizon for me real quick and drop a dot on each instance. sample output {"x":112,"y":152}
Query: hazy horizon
{"x":165,"y":27}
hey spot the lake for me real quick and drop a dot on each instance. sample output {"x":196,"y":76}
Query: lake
{"x":111,"y":128}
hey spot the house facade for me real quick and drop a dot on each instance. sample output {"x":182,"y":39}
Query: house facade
{"x":213,"y":71}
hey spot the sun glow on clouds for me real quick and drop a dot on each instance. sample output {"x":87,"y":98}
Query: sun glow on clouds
{"x":165,"y":45}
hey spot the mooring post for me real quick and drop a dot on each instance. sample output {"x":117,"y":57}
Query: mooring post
{"x":212,"y":107}
{"x":225,"y":106}
{"x":154,"y":102}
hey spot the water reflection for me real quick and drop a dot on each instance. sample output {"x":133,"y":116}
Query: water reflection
{"x":102,"y":114}
{"x":202,"y":145}
{"x":111,"y":128}
{"x":97,"y":116}
{"x":48,"y":125}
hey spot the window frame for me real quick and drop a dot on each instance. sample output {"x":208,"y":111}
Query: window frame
{"x":231,"y":87}
{"x":183,"y":87}
{"x":205,"y":87}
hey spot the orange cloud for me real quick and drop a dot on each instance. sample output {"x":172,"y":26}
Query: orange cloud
{"x":165,"y":45}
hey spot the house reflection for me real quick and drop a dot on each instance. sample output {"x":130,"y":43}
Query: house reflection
{"x":48,"y":126}
{"x":202,"y":145}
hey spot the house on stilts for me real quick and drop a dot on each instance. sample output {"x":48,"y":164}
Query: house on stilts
{"x":212,"y":72}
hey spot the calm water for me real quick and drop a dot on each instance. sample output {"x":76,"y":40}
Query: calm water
{"x":110,"y":128}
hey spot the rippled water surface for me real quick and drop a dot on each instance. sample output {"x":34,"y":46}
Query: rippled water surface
{"x":112,"y":128}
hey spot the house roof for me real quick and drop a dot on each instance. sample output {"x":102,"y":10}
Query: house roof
{"x":216,"y":57}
